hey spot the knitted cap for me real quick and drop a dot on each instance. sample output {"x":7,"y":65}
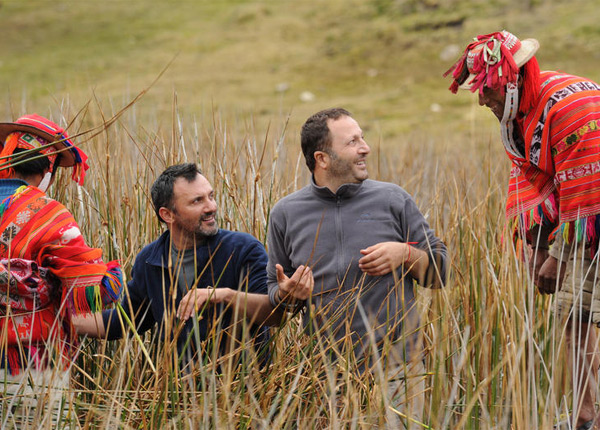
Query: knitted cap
{"x":491,"y":60}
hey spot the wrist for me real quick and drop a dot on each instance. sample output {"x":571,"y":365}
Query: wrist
{"x":285,"y":298}
{"x":281,"y":298}
{"x":229,"y":295}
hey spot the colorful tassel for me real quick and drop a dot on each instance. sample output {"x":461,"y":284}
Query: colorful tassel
{"x":112,"y":283}
{"x":93,"y":298}
{"x":581,"y":230}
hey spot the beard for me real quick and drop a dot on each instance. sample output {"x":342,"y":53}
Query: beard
{"x":199,"y":231}
{"x":202,"y":233}
{"x":345,"y":170}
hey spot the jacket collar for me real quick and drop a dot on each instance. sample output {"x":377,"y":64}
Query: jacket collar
{"x":9,"y":186}
{"x":346,"y":191}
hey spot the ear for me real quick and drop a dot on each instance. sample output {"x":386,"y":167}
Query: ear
{"x":321,"y":159}
{"x":166,"y":215}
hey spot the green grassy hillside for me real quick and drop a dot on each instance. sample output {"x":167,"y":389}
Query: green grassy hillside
{"x":383,"y":59}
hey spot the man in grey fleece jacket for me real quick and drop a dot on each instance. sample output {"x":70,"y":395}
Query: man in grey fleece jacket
{"x":366,"y":243}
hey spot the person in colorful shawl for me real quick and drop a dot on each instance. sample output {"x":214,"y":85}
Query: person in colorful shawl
{"x":550,"y":128}
{"x":47,"y":272}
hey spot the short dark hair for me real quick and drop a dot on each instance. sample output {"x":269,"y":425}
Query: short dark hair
{"x":315,"y":134}
{"x":162,"y":188}
{"x":24,"y":167}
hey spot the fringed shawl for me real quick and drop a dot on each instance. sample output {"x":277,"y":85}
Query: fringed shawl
{"x":559,"y":177}
{"x":47,"y":273}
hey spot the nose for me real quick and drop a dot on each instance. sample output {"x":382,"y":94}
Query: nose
{"x":364,"y":148}
{"x":212,"y":206}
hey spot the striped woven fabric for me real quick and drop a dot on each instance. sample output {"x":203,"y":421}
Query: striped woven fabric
{"x":560,"y":174}
{"x":47,"y":273}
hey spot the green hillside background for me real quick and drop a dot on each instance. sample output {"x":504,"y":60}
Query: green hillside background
{"x":382,"y":59}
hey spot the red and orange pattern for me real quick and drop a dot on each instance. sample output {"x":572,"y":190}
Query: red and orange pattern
{"x":47,"y":273}
{"x":560,"y":172}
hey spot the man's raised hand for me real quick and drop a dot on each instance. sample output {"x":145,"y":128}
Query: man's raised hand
{"x":299,"y":286}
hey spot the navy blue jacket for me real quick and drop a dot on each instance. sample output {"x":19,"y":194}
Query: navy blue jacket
{"x":228,"y":259}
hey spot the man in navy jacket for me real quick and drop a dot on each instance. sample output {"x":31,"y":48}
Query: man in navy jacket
{"x":195,"y":277}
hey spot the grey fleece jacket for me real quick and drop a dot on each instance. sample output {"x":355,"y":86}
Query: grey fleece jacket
{"x":326,"y":231}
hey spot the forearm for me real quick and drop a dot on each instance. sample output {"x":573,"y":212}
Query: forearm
{"x":430,"y":269}
{"x":89,"y":325}
{"x":417,"y":264}
{"x":256,"y":308}
{"x":538,"y":235}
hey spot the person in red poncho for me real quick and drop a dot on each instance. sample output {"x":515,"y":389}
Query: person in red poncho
{"x":47,"y":272}
{"x":550,"y":128}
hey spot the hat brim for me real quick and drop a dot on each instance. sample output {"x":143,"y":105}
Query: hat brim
{"x":67,"y":159}
{"x":528,"y":49}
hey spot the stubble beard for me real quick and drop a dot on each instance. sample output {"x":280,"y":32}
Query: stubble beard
{"x":203,"y":233}
{"x":199,"y":233}
{"x":345,"y":170}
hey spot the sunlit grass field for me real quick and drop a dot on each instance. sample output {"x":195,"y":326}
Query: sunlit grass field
{"x":492,"y":358}
{"x":495,"y":356}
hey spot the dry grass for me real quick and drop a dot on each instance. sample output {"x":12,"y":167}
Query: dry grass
{"x":493,"y":348}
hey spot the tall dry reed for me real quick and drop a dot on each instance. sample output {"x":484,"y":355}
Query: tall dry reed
{"x":493,"y":348}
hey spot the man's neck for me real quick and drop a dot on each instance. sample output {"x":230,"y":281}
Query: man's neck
{"x":182,"y":241}
{"x":33,"y":179}
{"x":322,"y":180}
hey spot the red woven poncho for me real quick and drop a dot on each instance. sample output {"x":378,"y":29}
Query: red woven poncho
{"x":562,"y":161}
{"x":47,"y":272}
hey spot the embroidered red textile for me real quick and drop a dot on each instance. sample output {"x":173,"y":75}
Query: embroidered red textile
{"x":562,"y":153}
{"x":47,"y":273}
